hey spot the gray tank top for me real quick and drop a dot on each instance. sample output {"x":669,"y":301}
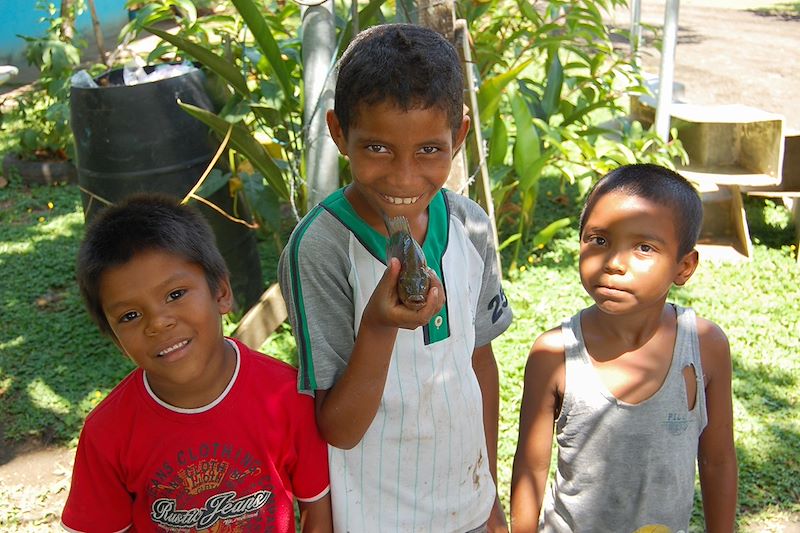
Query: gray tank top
{"x":625,"y":466}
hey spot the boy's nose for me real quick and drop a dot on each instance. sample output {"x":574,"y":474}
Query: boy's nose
{"x":615,"y":262}
{"x":404,"y":169}
{"x":158,"y":324}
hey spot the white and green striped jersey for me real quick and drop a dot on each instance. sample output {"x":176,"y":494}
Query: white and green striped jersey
{"x":422,"y":464}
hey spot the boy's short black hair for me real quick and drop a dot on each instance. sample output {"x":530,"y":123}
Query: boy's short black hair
{"x":660,"y":185}
{"x":413,"y":66}
{"x":140,"y":223}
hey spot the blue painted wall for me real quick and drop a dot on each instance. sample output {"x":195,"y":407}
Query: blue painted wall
{"x":22,"y":17}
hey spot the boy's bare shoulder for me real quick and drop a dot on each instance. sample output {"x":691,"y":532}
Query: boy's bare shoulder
{"x":545,"y":369}
{"x":714,"y":347}
{"x":549,"y":344}
{"x":711,"y":335}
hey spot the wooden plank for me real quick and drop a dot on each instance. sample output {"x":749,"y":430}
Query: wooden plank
{"x":739,"y":222}
{"x":263,"y":318}
{"x":725,"y":235}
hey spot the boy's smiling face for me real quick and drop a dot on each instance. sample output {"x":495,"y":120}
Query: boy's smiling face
{"x":399,"y":159}
{"x":629,"y":254}
{"x":165,"y":318}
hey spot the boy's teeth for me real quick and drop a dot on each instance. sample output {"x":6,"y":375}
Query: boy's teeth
{"x":173,"y":348}
{"x":401,"y":201}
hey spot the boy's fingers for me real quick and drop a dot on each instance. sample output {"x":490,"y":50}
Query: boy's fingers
{"x":409,"y":318}
{"x":403,"y":315}
{"x":388,"y":281}
{"x":436,"y":283}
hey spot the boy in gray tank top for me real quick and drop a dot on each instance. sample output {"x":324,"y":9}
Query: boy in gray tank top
{"x":637,"y":389}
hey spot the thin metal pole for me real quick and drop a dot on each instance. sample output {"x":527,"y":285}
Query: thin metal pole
{"x":636,"y":31}
{"x":667,"y":71}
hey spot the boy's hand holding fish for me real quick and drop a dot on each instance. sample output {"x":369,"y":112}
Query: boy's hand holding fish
{"x":385,"y":309}
{"x":414,"y":280}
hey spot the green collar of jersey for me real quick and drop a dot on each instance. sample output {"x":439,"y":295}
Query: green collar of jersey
{"x":434,"y":246}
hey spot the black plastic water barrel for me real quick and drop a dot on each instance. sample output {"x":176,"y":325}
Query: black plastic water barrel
{"x":136,"y":138}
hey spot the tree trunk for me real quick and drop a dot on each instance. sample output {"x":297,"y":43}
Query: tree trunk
{"x":98,"y":33}
{"x":67,"y":20}
{"x":319,"y":54}
{"x":439,"y":15}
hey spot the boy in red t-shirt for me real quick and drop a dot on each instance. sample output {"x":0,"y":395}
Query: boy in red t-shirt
{"x":206,"y":434}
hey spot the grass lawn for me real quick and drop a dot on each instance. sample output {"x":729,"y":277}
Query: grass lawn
{"x":54,"y":366}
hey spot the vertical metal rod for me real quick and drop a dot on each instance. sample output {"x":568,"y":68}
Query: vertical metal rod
{"x":666,"y":73}
{"x":636,"y":31}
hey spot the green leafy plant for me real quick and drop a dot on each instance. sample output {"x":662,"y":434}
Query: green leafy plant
{"x":552,"y":103}
{"x":259,"y":82}
{"x":551,"y":100}
{"x":45,"y":112}
{"x":253,"y":51}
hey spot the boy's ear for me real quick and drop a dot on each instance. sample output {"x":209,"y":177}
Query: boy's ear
{"x":335,"y":128}
{"x":461,"y":134}
{"x":687,"y":265}
{"x":224,"y":296}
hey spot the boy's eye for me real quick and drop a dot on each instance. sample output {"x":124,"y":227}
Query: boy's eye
{"x":174,"y":295}
{"x":598,"y":240}
{"x":429,"y":149}
{"x":130,"y":315}
{"x":646,"y":248}
{"x":377,"y":148}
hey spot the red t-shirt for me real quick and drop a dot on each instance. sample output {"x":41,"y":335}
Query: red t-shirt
{"x":234,"y":465}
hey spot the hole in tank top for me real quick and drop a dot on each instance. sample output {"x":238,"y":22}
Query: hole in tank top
{"x":690,"y":377}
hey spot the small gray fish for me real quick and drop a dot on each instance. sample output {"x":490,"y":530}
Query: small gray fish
{"x":414,"y":282}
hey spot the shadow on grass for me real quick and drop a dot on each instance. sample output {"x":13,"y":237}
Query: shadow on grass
{"x":54,"y":365}
{"x":768,"y":467}
{"x":781,"y":10}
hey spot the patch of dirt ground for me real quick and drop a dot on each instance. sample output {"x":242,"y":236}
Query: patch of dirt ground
{"x":34,"y":482}
{"x":730,"y":56}
{"x":723,"y":56}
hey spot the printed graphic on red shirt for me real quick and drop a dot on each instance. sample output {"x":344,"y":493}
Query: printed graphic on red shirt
{"x":216,"y":487}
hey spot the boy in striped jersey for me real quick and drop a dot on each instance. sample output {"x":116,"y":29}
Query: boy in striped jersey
{"x":406,"y":398}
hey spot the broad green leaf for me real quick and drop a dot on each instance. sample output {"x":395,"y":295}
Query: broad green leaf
{"x":579,"y":114}
{"x":217,"y":64}
{"x":555,"y":79}
{"x":546,"y":235}
{"x":269,"y":47}
{"x":567,"y":172}
{"x":627,"y":153}
{"x":235,"y":110}
{"x":527,"y":152}
{"x":158,"y":52}
{"x":243,"y":141}
{"x":188,"y":10}
{"x":215,"y":180}
{"x":502,"y":176}
{"x":263,"y":201}
{"x":505,"y":243}
{"x":492,"y":88}
{"x":529,"y":12}
{"x":498,"y":143}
